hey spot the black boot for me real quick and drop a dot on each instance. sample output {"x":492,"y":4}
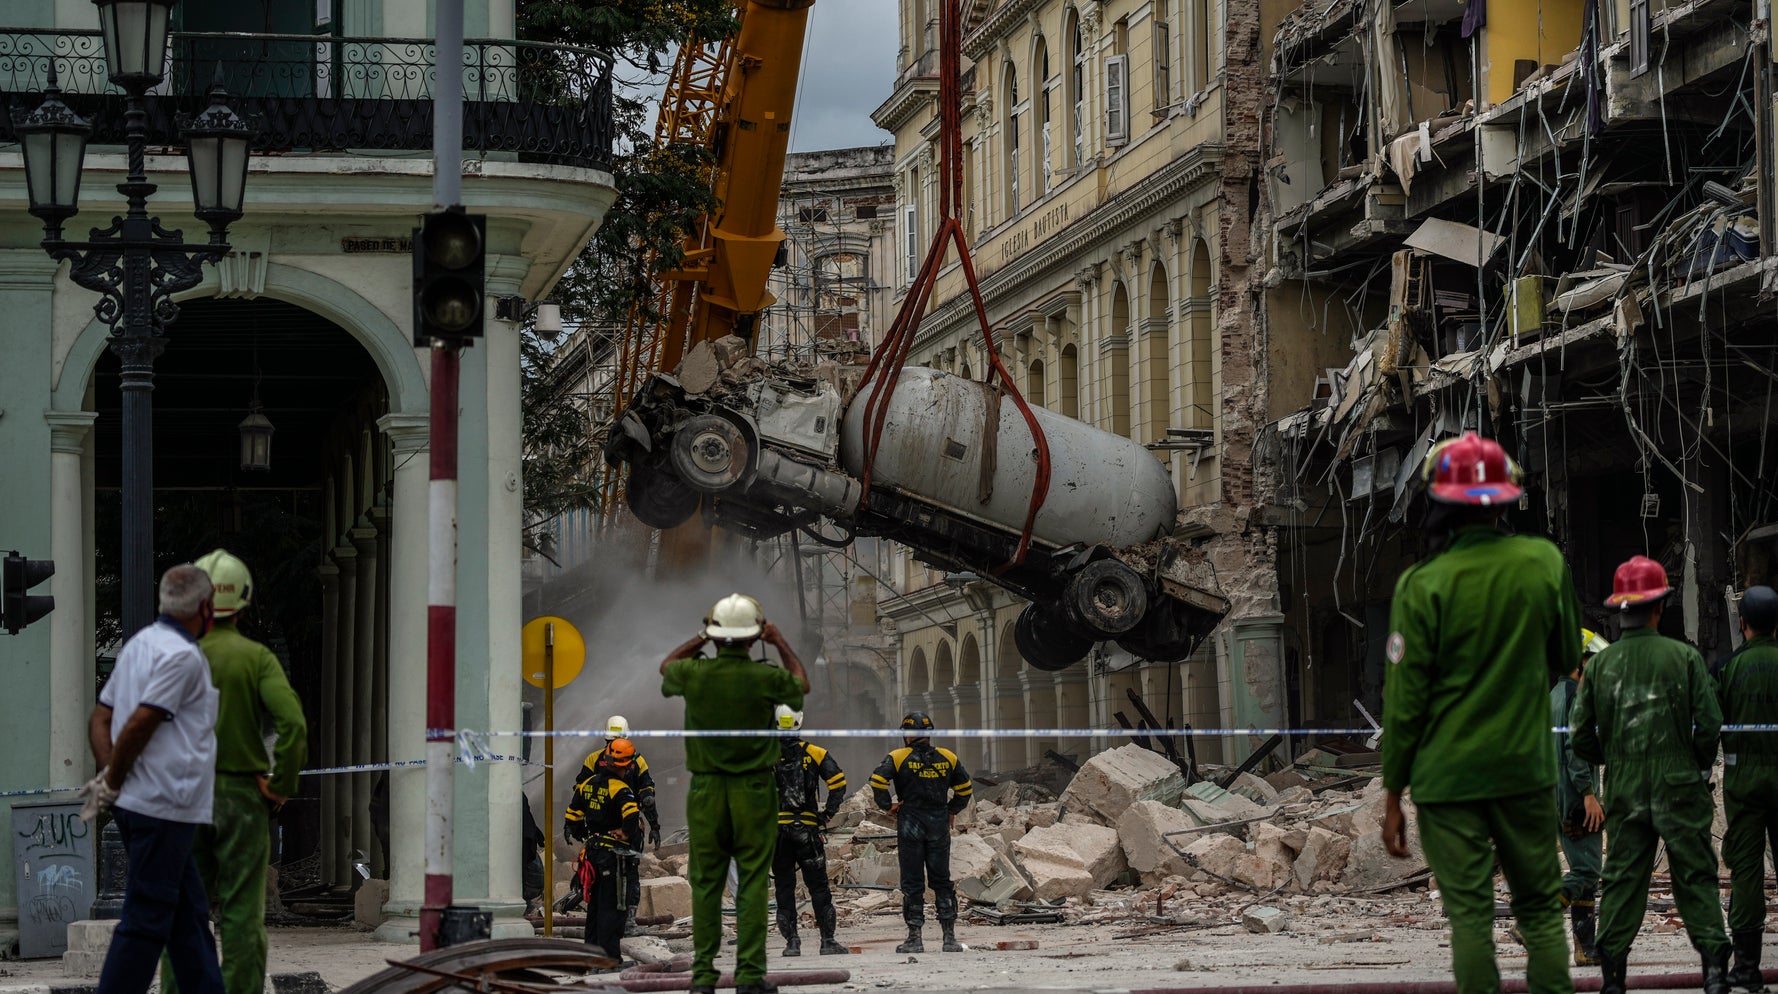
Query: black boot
{"x":1580,"y":919}
{"x":630,"y":926}
{"x":950,"y":929}
{"x":1716,"y":971}
{"x":1746,"y":972}
{"x":1614,"y":968}
{"x":827,"y":920}
{"x":913,"y":945}
{"x":793,"y":946}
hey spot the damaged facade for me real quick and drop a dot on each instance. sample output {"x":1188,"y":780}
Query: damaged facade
{"x":1546,"y":221}
{"x":1109,"y":148}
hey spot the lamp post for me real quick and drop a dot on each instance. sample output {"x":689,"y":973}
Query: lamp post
{"x":135,"y":265}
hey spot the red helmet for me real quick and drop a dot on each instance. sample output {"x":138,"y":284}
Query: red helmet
{"x":1472,"y":470}
{"x":1640,"y":580}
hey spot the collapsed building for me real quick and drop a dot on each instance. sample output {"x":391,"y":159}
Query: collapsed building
{"x":1549,"y":222}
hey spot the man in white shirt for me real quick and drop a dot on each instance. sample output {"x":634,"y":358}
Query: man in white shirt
{"x":153,"y":734}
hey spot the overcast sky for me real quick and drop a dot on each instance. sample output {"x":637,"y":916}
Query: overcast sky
{"x":848,"y":68}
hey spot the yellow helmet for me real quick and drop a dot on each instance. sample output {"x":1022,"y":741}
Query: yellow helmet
{"x":234,"y":585}
{"x":734,"y":618}
{"x":1591,"y":642}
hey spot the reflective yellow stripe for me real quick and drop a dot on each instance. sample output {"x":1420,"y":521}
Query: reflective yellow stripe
{"x":836,"y":781}
{"x":573,"y":816}
{"x":630,"y":809}
{"x":877,"y":781}
{"x":963,"y":789}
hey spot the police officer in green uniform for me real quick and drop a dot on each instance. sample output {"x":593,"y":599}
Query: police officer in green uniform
{"x":631,"y":767}
{"x":930,"y":787}
{"x":731,"y":808}
{"x":605,"y":815}
{"x":1476,"y":632}
{"x":232,"y":853}
{"x":1648,"y":711}
{"x":803,"y":771}
{"x":1748,"y":693}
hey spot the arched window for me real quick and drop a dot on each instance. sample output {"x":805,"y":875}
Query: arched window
{"x":1011,"y":143}
{"x":1201,"y":406}
{"x":1117,"y":358}
{"x":1068,"y":380}
{"x":1077,"y":72}
{"x":1158,"y":392}
{"x":1045,"y":167}
{"x":1034,"y":383}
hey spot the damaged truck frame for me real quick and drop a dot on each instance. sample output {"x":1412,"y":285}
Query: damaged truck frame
{"x":764,"y":452}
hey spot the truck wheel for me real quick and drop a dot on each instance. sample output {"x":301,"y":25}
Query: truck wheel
{"x":658,"y":500}
{"x":1105,"y":599}
{"x":710,"y":453}
{"x":1044,"y":641}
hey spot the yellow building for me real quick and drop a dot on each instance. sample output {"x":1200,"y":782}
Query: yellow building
{"x":1107,"y":174}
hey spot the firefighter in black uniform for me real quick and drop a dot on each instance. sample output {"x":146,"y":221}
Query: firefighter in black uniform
{"x":801,"y":768}
{"x":604,"y":814}
{"x":930,"y":786}
{"x":626,"y":764}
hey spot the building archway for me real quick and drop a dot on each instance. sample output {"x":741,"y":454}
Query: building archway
{"x":919,"y":677}
{"x":1116,"y":350}
{"x":1009,"y":704}
{"x":969,"y":699}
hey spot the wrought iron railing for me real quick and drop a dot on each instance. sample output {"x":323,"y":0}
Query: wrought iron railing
{"x":544,"y":102}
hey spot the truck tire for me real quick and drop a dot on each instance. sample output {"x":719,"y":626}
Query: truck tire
{"x":1105,"y":599}
{"x":658,"y":500}
{"x":1044,"y":641}
{"x":711,"y":453}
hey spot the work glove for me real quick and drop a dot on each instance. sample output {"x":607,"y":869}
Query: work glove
{"x":98,"y":795}
{"x":654,"y":836}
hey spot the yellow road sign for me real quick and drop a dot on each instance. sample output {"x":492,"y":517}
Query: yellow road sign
{"x":570,"y":650}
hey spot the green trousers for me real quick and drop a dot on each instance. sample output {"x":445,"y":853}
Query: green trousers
{"x":1677,"y":810}
{"x":1753,"y":825}
{"x":1586,"y":861}
{"x":1462,"y":840}
{"x":232,"y":853}
{"x":730,"y":817}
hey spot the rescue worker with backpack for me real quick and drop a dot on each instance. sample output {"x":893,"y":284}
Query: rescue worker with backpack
{"x":930,"y":786}
{"x":1648,"y":711}
{"x":628,"y":765}
{"x":1748,"y":693}
{"x":605,"y":815}
{"x":803,"y":770}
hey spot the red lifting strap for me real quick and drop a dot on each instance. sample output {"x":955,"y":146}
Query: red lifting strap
{"x":886,"y":364}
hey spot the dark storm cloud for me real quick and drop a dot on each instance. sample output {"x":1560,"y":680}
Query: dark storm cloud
{"x":848,"y":69}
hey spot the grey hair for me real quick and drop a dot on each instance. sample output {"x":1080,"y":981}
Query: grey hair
{"x":184,"y":588}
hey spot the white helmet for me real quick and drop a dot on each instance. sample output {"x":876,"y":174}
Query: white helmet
{"x":734,"y":618}
{"x":787,"y":719}
{"x":617,"y":727}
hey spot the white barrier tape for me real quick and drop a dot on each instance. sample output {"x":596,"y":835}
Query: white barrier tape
{"x":981,"y":733}
{"x":484,"y":757}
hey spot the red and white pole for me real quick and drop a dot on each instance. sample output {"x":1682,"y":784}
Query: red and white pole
{"x":441,"y":586}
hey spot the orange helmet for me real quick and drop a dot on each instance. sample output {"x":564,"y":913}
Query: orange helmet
{"x":1639,"y":580}
{"x":1472,"y":470}
{"x":621,"y":752}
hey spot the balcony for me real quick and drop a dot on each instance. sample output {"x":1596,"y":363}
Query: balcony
{"x":323,"y":93}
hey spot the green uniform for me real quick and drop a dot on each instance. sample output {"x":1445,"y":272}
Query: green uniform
{"x":1576,"y":780}
{"x":1748,"y":695}
{"x":731,"y":808}
{"x":233,"y":851}
{"x":1648,"y":711}
{"x":1475,"y":633}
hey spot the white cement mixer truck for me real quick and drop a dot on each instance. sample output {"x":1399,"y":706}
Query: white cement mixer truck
{"x":761,"y":453}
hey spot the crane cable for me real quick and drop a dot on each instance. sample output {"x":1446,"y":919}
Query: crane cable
{"x":886,"y":364}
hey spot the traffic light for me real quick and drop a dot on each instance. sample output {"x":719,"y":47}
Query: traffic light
{"x":450,"y":254}
{"x":17,"y":608}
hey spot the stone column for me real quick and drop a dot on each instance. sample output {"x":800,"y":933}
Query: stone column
{"x":364,"y":668}
{"x":489,"y":675}
{"x":379,"y":698}
{"x":406,"y":723}
{"x":346,"y":634}
{"x":70,"y":628}
{"x":321,"y":751}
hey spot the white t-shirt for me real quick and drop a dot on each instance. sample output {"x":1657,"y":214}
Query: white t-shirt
{"x":174,"y":778}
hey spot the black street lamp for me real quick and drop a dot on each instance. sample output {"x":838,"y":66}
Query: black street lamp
{"x":135,"y":265}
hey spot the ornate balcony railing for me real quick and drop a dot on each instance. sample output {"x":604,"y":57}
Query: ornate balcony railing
{"x":322,"y":93}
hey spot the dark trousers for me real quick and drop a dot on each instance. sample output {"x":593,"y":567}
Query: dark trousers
{"x":606,"y":901}
{"x":924,"y":844}
{"x":163,"y":908}
{"x":800,"y":847}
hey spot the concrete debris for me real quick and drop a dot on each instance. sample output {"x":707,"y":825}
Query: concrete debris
{"x":1264,"y":921}
{"x":1143,"y":830}
{"x":645,"y":949}
{"x":665,"y":896}
{"x":1115,"y":779}
{"x":971,"y":857}
{"x":1052,"y":865}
